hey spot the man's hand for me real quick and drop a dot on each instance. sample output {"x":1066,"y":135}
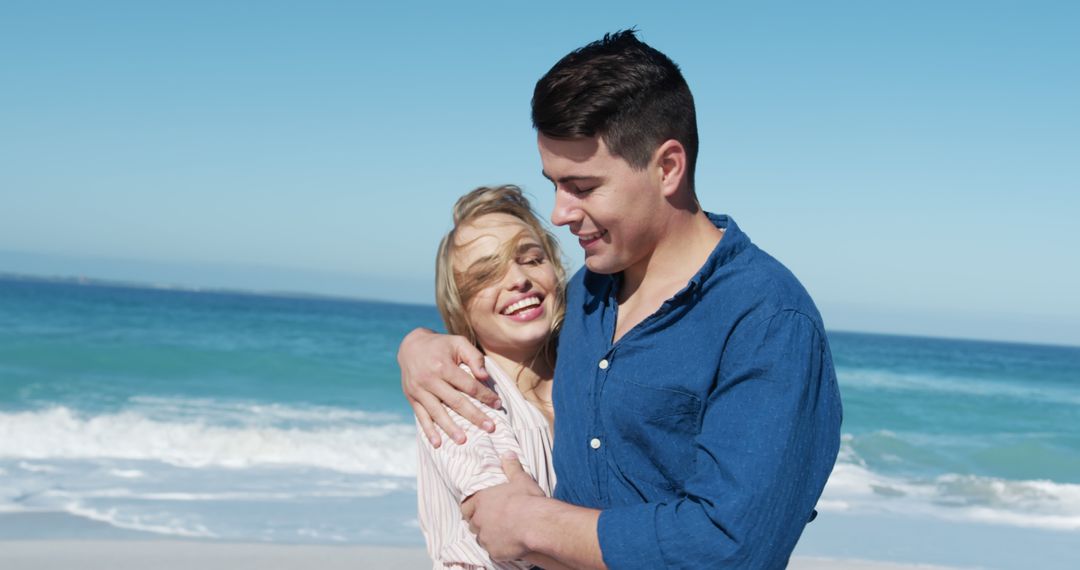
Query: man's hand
{"x":430,"y":378}
{"x":497,"y":515}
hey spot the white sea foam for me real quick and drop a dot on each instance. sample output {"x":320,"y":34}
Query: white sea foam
{"x":60,"y":433}
{"x":213,"y":502}
{"x":357,"y":490}
{"x":250,"y":412}
{"x":127,"y":473}
{"x":1028,"y":503}
{"x":170,"y":526}
{"x":34,"y":468}
{"x":57,"y":459}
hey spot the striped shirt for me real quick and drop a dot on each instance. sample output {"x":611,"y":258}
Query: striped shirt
{"x":450,"y":474}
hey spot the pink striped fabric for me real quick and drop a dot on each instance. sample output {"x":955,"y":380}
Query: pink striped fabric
{"x":448,"y":475}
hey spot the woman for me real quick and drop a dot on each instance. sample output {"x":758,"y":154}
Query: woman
{"x":498,"y":282}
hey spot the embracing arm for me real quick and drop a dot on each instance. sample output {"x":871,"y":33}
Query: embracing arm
{"x":769,"y":438}
{"x":565,"y":535}
{"x":515,"y":520}
{"x":432,"y":381}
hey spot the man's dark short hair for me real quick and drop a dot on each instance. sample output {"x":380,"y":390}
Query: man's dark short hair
{"x":622,"y":90}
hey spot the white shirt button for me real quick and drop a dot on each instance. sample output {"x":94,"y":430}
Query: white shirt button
{"x":603,"y":364}
{"x":595,"y":443}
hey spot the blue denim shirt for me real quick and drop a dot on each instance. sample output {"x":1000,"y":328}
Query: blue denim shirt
{"x":707,"y":432}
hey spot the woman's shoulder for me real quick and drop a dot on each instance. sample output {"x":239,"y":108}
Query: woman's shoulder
{"x":521,"y":413}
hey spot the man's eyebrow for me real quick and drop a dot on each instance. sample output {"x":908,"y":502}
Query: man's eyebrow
{"x":566,"y":179}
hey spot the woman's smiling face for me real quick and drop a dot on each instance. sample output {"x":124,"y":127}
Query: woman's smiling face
{"x":512,"y":311}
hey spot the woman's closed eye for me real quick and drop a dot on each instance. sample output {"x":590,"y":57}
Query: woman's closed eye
{"x":530,"y":254}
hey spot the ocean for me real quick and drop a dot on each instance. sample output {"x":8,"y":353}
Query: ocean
{"x":241,"y":417}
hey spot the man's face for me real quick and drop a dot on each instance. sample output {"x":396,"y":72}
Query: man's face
{"x":610,"y":207}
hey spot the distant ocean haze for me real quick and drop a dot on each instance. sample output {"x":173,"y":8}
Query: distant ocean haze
{"x":244,"y":417}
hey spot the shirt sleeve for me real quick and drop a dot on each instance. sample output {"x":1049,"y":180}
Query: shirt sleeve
{"x":448,"y":475}
{"x":769,"y":437}
{"x":476,"y":464}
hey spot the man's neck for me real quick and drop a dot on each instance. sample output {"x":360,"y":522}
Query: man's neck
{"x":686,"y":243}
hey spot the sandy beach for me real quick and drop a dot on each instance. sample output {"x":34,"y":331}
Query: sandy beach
{"x":182,"y":555}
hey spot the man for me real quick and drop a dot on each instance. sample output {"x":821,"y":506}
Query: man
{"x":697,"y":411}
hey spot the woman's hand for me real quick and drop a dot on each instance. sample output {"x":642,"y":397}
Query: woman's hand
{"x":432,"y":381}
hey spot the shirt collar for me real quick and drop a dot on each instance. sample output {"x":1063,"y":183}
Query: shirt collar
{"x":733,"y":242}
{"x":731,"y":245}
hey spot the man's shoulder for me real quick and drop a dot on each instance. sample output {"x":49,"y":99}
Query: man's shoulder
{"x":742,"y":274}
{"x":578,"y":279}
{"x":768,"y":286}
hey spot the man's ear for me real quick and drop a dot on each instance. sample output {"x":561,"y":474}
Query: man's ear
{"x":670,"y":164}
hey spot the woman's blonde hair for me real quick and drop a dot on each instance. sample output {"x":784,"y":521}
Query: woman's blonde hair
{"x":455,"y":289}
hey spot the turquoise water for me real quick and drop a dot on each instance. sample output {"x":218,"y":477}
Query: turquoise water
{"x":243,"y":417}
{"x":967,"y":407}
{"x":220,"y":416}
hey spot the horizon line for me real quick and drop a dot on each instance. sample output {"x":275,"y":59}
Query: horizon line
{"x":84,"y":281}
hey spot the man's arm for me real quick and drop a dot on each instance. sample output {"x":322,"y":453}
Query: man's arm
{"x":515,"y":520}
{"x":565,"y":534}
{"x":769,"y":438}
{"x":431,"y":379}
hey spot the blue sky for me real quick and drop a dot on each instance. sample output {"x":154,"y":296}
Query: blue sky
{"x":914,"y":163}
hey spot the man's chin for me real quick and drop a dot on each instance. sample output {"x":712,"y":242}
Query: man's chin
{"x":602,"y":265}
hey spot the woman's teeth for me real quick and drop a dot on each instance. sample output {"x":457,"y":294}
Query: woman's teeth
{"x":522,"y":304}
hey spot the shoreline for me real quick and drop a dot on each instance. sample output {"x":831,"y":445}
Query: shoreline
{"x":54,"y":541}
{"x":166,"y":554}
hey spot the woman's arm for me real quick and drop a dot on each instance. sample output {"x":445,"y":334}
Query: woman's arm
{"x":448,"y":475}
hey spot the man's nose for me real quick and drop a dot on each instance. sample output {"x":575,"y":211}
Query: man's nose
{"x":564,"y":211}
